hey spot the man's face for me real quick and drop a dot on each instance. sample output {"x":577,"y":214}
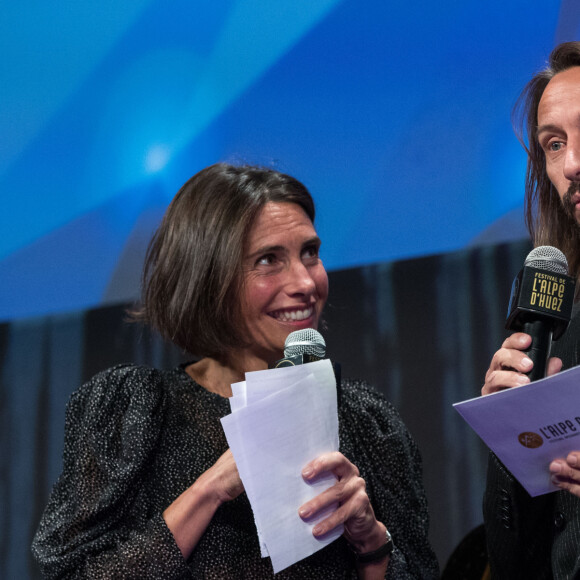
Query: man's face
{"x":559,"y":136}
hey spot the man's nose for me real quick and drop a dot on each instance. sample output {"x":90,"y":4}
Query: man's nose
{"x":572,"y":161}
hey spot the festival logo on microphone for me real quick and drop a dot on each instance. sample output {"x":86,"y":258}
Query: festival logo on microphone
{"x":548,"y":291}
{"x":541,"y":293}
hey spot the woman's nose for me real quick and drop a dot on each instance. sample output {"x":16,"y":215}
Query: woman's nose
{"x":300,"y":280}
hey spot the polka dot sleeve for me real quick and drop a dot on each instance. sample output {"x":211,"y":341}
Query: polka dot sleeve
{"x":89,"y":528}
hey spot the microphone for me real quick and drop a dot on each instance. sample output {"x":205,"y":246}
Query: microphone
{"x":302,"y":346}
{"x":541,"y":303}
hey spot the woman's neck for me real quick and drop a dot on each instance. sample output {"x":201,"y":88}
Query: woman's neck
{"x":217,"y":376}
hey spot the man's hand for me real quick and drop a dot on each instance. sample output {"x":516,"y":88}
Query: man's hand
{"x":566,"y":472}
{"x":509,"y":365}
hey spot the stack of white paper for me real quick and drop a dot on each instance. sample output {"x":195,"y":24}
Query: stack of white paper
{"x":281,"y":419}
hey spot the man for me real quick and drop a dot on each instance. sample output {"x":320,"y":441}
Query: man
{"x":537,"y":538}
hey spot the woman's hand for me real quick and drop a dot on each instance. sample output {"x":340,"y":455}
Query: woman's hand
{"x":361,"y":528}
{"x":225,"y":478}
{"x":189,"y":515}
{"x":509,"y":364}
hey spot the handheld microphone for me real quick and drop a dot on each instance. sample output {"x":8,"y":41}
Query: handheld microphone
{"x":541,"y":303}
{"x":304,"y":346}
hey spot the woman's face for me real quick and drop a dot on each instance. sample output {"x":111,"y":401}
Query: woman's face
{"x":285,"y":283}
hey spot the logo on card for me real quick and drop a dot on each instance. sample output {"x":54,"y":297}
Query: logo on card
{"x":530,"y":439}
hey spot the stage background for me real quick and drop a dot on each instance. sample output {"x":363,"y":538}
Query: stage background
{"x":395,"y":114}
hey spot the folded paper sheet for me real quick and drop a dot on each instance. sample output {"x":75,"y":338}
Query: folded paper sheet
{"x":529,"y":426}
{"x":281,"y":419}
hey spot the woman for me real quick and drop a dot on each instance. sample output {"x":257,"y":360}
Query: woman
{"x":149,"y":488}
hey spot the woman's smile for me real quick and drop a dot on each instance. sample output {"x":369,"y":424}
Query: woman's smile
{"x":285,"y":283}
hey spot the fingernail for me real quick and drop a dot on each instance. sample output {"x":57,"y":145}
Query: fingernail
{"x":527,"y":362}
{"x":573,"y":460}
{"x":304,"y":512}
{"x":555,"y":467}
{"x":307,"y":472}
{"x":522,"y":380}
{"x":317,"y":530}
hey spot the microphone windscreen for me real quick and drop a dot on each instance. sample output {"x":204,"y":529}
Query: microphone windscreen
{"x":542,"y":291}
{"x":547,"y":258}
{"x":305,"y":341}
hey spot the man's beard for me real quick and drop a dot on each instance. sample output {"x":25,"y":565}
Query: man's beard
{"x":568,"y":204}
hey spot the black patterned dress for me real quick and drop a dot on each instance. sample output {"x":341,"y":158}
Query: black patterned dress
{"x":136,"y":438}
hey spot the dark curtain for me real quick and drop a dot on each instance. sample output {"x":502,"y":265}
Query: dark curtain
{"x":423,"y":331}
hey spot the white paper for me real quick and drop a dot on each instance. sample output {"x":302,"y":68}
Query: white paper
{"x":264,"y":383}
{"x":236,"y":442}
{"x":272,"y":438}
{"x":238,"y":399}
{"x":528,"y":427}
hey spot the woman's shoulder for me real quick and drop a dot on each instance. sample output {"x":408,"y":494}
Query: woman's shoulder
{"x":116,"y":390}
{"x":359,"y":395}
{"x":119,"y":379}
{"x":362,"y":408}
{"x":118,"y":413}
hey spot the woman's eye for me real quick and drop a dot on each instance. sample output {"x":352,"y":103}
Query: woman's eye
{"x":310,"y":252}
{"x":266,"y":260}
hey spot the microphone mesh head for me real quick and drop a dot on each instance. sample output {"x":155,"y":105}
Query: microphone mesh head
{"x":306,"y":341}
{"x":547,"y":258}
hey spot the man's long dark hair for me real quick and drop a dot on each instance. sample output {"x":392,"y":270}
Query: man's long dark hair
{"x":547,"y":221}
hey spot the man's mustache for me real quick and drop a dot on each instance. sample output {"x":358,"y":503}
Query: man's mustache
{"x":567,"y":199}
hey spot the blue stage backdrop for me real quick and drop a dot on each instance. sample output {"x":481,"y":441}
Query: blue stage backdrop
{"x":394,"y":113}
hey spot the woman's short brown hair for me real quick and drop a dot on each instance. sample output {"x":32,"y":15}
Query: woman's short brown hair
{"x":192,"y":279}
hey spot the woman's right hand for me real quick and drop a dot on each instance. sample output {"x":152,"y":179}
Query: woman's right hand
{"x":189,"y":515}
{"x":509,"y":365}
{"x":226,"y":479}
